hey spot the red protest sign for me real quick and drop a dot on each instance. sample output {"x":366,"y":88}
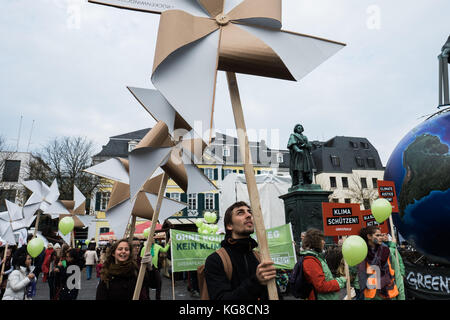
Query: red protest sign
{"x":386,"y":190}
{"x":341,"y":219}
{"x":368,"y":220}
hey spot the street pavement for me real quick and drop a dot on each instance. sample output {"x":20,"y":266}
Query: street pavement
{"x":89,"y":287}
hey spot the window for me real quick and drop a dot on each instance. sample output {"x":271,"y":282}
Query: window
{"x":335,"y":161}
{"x":9,"y":195}
{"x":209,"y":201}
{"x":103,"y":230}
{"x":131,"y":145}
{"x":226,"y":151}
{"x":344,"y":182}
{"x":11,"y":171}
{"x":333,"y":182}
{"x":375,"y":183}
{"x":104,"y":199}
{"x":209,"y":172}
{"x":175,"y":196}
{"x":280,"y":157}
{"x":364,"y":145}
{"x":366,"y":204}
{"x":364,"y":183}
{"x":353,"y":144}
{"x":371,"y":162}
{"x":226,"y":172}
{"x":335,"y":200}
{"x":347,"y":200}
{"x":192,"y":201}
{"x":359,"y":162}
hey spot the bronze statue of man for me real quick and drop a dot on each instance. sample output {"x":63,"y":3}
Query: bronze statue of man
{"x":301,"y":161}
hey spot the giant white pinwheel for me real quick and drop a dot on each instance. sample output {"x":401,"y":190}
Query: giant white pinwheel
{"x":68,"y":207}
{"x":198,"y":38}
{"x":7,"y":218}
{"x":42,"y":198}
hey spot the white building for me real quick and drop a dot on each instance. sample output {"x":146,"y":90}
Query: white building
{"x":14,"y":169}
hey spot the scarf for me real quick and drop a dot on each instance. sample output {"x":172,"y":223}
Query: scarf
{"x":378,"y":256}
{"x":123,"y":269}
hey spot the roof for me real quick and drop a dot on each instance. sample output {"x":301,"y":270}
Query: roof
{"x":346,"y":152}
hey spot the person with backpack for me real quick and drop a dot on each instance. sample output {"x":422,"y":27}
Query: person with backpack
{"x":235,"y":272}
{"x":311,"y":277}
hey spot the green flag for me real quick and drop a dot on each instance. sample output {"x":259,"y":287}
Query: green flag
{"x":190,"y":249}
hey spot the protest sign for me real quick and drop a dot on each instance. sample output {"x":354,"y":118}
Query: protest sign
{"x":190,"y":250}
{"x":341,"y":219}
{"x":386,"y":190}
{"x":368,"y":220}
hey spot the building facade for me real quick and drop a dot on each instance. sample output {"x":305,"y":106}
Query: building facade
{"x":350,"y":167}
{"x":15,"y":167}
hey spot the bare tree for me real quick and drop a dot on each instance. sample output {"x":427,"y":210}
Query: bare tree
{"x":67,"y":157}
{"x":359,"y":192}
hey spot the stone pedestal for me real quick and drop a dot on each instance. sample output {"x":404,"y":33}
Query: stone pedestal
{"x":303,"y":208}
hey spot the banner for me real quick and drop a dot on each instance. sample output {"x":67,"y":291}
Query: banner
{"x":190,"y":249}
{"x":427,"y":283}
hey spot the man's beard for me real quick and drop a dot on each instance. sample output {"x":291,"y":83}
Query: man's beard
{"x":246,"y":233}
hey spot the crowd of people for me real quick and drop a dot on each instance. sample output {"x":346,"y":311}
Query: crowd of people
{"x":115,"y":266}
{"x":244,"y":277}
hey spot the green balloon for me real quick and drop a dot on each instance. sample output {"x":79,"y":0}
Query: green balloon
{"x":381,"y":209}
{"x":199,"y":223}
{"x":147,"y":232}
{"x":210,"y":217}
{"x":35,"y":247}
{"x":66,"y":225}
{"x":354,"y":250}
{"x":87,"y":242}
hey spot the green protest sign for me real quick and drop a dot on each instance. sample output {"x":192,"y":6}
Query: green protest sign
{"x":190,"y":249}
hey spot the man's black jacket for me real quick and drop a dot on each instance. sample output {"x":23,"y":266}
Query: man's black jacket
{"x":243,"y":285}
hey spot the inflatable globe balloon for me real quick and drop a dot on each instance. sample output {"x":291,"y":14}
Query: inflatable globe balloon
{"x":381,"y":209}
{"x":35,"y":247}
{"x":420,"y":168}
{"x":354,"y":250}
{"x":66,"y":225}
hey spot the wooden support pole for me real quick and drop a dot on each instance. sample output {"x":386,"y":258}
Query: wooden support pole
{"x":148,"y":245}
{"x":252,"y":188}
{"x":394,"y":238}
{"x":347,"y":275}
{"x":132,"y":228}
{"x":36,"y":225}
{"x":3,"y":263}
{"x":173,"y":286}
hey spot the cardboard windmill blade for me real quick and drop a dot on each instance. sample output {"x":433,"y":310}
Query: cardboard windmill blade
{"x":115,"y":169}
{"x":120,"y":205}
{"x":68,"y":207}
{"x":160,"y":109}
{"x":171,"y":157}
{"x":16,"y":217}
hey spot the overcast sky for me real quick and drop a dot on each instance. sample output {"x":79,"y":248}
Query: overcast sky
{"x":66,"y":63}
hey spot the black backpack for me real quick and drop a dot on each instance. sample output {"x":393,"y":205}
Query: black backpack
{"x":299,"y":287}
